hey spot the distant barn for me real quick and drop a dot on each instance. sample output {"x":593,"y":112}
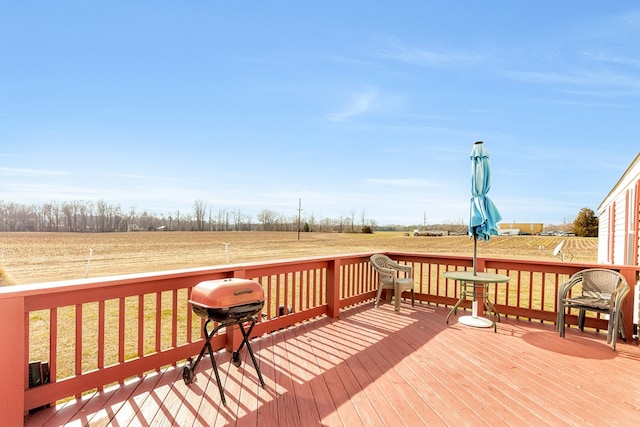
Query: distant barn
{"x":522,"y":227}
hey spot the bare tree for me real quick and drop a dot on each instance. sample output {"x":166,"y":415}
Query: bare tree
{"x":101,"y":220}
{"x":268,"y":219}
{"x":237,"y":219}
{"x":177,"y":218}
{"x":353,"y":219}
{"x":200,"y":210}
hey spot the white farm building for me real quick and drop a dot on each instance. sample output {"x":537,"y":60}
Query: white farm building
{"x":619,"y":227}
{"x":619,"y":219}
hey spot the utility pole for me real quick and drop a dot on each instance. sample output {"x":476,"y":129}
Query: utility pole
{"x":299,"y":210}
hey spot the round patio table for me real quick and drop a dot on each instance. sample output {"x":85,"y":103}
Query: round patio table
{"x":477,"y":286}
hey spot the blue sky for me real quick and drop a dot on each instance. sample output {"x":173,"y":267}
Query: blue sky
{"x":353,"y":107}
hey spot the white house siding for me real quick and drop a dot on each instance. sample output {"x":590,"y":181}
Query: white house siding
{"x":603,"y":243}
{"x":618,"y":220}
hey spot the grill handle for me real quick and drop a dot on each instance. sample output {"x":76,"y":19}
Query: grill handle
{"x":242,"y":291}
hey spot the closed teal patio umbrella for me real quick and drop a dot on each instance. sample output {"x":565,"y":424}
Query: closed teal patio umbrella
{"x":484,"y":216}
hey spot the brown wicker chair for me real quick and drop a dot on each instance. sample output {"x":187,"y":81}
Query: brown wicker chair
{"x":388,"y":278}
{"x":600,"y":290}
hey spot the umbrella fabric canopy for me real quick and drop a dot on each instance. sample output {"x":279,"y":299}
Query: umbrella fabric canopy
{"x":484,"y":214}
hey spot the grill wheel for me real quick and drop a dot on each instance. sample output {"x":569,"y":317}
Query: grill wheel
{"x":187,"y":375}
{"x":235,"y":358}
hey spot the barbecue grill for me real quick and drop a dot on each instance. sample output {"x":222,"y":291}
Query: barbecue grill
{"x":225,"y":302}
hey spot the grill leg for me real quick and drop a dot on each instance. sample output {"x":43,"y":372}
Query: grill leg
{"x":188,"y":372}
{"x":205,"y":347}
{"x":215,"y":371}
{"x":245,"y":340}
{"x":213,"y":361}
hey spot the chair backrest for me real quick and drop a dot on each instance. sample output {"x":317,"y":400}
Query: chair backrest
{"x":382,"y":261}
{"x":601,"y":282}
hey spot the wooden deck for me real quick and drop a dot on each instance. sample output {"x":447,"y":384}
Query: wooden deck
{"x":373,"y":367}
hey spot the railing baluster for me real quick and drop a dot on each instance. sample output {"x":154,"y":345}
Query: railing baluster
{"x":53,"y":344}
{"x":121,"y":329}
{"x":158,"y":340}
{"x":140,"y":325}
{"x":78,"y":338}
{"x":174,"y":318}
{"x":291,"y":281}
{"x":278,"y":295}
{"x":189,"y":331}
{"x":101,"y":330}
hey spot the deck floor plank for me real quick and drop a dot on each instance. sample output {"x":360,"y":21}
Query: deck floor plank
{"x":375,"y":393}
{"x":250,"y":387}
{"x":303,"y":389}
{"x":193,"y":397}
{"x":503,"y":384}
{"x":111,"y":401}
{"x":267,"y":413}
{"x":208,"y":399}
{"x":403,"y":377}
{"x":314,"y":371}
{"x":497,"y":395}
{"x":537,"y":368}
{"x":399,"y":401}
{"x":375,"y":367}
{"x":354,"y":376}
{"x":130,"y":407}
{"x":153,"y":408}
{"x":289,"y":408}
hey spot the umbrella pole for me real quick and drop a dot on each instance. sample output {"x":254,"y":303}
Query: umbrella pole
{"x":474,"y":303}
{"x":475,"y":244}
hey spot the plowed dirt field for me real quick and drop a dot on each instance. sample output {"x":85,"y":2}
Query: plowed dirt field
{"x":44,"y":257}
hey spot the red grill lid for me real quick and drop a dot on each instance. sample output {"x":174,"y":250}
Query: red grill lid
{"x":224,"y":293}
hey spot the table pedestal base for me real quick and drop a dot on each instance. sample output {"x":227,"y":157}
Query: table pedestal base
{"x":478,"y":322}
{"x":476,"y":285}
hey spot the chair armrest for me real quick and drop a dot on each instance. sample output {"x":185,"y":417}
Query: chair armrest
{"x":564,"y":288}
{"x":619,"y":293}
{"x":402,"y":267}
{"x":385,"y":270}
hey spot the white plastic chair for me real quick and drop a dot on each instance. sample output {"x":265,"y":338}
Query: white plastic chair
{"x":388,"y":278}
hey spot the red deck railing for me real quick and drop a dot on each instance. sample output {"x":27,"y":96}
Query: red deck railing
{"x":97,"y":332}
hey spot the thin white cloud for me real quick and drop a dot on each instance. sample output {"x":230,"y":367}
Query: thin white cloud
{"x":4,"y":171}
{"x":429,"y":57}
{"x":614,"y":59}
{"x":402,"y":182}
{"x":357,"y":105}
{"x":605,"y":80}
{"x":154,"y":178}
{"x":591,"y":104}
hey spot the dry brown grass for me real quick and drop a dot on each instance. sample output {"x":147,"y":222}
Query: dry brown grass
{"x":43,"y":257}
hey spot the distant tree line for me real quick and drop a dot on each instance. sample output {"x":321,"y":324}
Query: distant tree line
{"x":103,"y":217}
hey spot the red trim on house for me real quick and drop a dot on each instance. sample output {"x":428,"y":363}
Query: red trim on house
{"x":612,"y":231}
{"x":625,"y":249}
{"x":636,"y":224}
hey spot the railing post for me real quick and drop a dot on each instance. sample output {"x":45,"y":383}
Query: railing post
{"x":12,"y":361}
{"x":481,"y":265}
{"x":628,"y":308}
{"x":333,"y":289}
